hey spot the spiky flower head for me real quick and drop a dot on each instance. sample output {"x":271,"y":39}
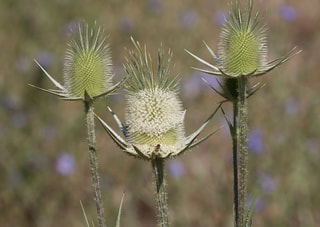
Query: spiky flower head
{"x":242,"y":50}
{"x":242,"y":47}
{"x":87,"y":65}
{"x":154,"y":113}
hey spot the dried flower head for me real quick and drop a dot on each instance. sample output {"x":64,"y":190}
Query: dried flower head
{"x":87,"y":66}
{"x":242,"y":50}
{"x":154,"y":113}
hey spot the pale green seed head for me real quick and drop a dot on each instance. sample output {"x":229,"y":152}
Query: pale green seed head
{"x":242,"y":47}
{"x":87,"y":65}
{"x":154,"y":113}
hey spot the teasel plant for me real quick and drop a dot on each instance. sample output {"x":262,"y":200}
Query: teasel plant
{"x":154,"y":127}
{"x":242,"y":54}
{"x":87,"y":77}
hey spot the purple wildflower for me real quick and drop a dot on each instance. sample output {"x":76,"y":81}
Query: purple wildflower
{"x":259,"y":203}
{"x":19,"y":120}
{"x":267,"y":183}
{"x":176,"y":168}
{"x":126,"y":24}
{"x":288,"y":13}
{"x":211,"y":80}
{"x":44,"y":58}
{"x":220,"y":18}
{"x":65,"y":164}
{"x":255,"y":143}
{"x":191,"y":86}
{"x":189,"y":19}
{"x":155,"y":6}
{"x":291,"y":106}
{"x":11,"y":102}
{"x":71,"y":26}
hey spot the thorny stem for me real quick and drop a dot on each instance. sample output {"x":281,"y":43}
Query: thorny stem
{"x":94,"y":163}
{"x":161,"y":194}
{"x":234,"y":134}
{"x":243,"y":148}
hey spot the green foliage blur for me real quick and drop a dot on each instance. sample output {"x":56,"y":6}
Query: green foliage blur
{"x":44,"y":169}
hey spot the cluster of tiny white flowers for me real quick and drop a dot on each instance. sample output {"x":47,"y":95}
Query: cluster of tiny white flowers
{"x":154,"y":112}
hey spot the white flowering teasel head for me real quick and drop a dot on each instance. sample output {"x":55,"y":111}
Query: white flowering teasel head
{"x":154,"y":117}
{"x":154,"y":114}
{"x":87,"y":66}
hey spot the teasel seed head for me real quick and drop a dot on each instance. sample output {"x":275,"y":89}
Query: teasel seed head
{"x":242,"y":50}
{"x":242,"y":47}
{"x":87,"y":65}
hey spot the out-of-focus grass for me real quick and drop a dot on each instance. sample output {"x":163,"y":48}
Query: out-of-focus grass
{"x":43,"y":157}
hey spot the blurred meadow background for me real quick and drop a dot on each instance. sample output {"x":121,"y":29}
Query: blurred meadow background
{"x":44,"y":169}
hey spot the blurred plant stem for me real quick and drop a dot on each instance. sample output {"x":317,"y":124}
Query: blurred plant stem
{"x":94,"y":162}
{"x":161,"y":194}
{"x":234,"y":134}
{"x":243,"y":147}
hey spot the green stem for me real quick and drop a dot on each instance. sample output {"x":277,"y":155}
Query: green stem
{"x":234,"y":133}
{"x":161,"y":195}
{"x":94,"y":163}
{"x":243,"y":148}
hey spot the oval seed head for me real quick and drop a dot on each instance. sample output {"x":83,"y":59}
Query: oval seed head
{"x":154,"y":114}
{"x":242,"y":46}
{"x":87,"y":66}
